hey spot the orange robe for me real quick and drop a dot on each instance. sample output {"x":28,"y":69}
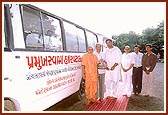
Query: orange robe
{"x":90,"y":62}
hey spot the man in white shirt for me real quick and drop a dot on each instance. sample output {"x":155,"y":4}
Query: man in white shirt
{"x":137,"y":70}
{"x":126,"y":71}
{"x":101,"y":72}
{"x":112,"y":74}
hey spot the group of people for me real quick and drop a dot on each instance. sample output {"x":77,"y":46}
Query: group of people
{"x":102,"y":71}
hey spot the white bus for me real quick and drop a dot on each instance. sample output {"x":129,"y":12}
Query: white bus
{"x":41,"y":57}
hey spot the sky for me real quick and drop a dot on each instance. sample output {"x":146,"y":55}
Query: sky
{"x":109,"y":18}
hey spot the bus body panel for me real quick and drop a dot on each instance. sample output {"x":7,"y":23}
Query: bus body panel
{"x":37,"y":77}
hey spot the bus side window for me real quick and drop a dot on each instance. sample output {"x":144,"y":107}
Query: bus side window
{"x":5,"y":42}
{"x":52,"y":33}
{"x":91,"y":38}
{"x":32,"y":27}
{"x":71,"y":37}
{"x":81,"y":40}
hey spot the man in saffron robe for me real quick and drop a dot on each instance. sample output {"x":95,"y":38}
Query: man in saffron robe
{"x":90,"y":74}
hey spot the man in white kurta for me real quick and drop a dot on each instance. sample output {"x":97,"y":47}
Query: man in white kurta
{"x":112,"y":74}
{"x":126,"y":71}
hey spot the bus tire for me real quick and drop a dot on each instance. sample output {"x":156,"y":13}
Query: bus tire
{"x":9,"y":105}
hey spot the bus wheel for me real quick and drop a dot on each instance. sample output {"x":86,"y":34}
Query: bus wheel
{"x":9,"y":105}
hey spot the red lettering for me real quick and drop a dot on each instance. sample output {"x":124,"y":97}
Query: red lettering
{"x":66,"y":60}
{"x":37,"y":62}
{"x":39,"y":91}
{"x":40,"y":61}
{"x":70,"y":80}
{"x":46,"y":89}
{"x":73,"y":79}
{"x":44,"y":61}
{"x":59,"y":59}
{"x":79,"y":59}
{"x":70,"y":59}
{"x":54,"y":60}
{"x":30,"y":63}
{"x":49,"y":60}
{"x":75,"y":58}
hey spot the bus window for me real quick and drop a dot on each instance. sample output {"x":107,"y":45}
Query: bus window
{"x":81,"y":40}
{"x":91,"y":38}
{"x":52,"y":33}
{"x":71,"y":37}
{"x":5,"y":44}
{"x":32,"y":27}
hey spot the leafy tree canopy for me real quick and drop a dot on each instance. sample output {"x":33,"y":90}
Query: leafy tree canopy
{"x":154,"y":36}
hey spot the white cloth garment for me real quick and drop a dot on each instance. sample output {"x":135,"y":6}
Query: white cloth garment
{"x":112,"y":56}
{"x":127,"y":60}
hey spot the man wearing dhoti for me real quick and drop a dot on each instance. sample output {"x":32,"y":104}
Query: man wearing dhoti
{"x":112,"y":74}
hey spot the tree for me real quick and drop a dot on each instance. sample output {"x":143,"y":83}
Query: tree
{"x":127,"y":39}
{"x":154,"y":36}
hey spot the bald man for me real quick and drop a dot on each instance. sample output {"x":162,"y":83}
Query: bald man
{"x":90,"y":74}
